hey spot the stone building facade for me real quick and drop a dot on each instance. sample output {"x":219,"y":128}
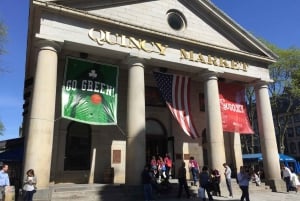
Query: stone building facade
{"x":187,"y":37}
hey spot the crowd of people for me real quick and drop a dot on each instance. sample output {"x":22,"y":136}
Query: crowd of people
{"x":207,"y":180}
{"x":162,"y":167}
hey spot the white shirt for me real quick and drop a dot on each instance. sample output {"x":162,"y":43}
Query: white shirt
{"x":286,"y":172}
{"x":29,"y":184}
{"x":228,"y":172}
{"x":295,"y":180}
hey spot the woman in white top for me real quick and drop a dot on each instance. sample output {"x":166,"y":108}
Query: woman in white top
{"x":29,"y":187}
{"x":295,"y":181}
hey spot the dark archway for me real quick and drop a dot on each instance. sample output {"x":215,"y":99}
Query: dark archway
{"x":78,"y":147}
{"x":156,"y":139}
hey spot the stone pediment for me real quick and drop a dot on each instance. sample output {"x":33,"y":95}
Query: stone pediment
{"x":204,"y":23}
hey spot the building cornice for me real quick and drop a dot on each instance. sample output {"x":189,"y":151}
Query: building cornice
{"x":75,"y":12}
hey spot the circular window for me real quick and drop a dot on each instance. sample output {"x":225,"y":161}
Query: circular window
{"x":176,"y":20}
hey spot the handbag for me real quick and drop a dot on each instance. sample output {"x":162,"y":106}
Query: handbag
{"x":201,"y":192}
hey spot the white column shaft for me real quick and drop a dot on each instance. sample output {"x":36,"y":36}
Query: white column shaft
{"x":215,"y":138}
{"x":136,"y":139}
{"x":38,"y":149}
{"x":267,"y":132}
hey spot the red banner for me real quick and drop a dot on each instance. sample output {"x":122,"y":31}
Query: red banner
{"x":233,"y":109}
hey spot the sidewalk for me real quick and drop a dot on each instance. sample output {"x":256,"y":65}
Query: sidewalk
{"x":254,"y":196}
{"x":257,"y":193}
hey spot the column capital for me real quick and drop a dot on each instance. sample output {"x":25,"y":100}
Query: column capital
{"x":209,"y":75}
{"x":260,"y":84}
{"x":48,"y":45}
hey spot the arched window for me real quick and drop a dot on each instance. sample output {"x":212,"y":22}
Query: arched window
{"x":154,"y":127}
{"x":78,"y":147}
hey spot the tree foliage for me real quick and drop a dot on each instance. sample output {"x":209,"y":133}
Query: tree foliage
{"x":3,"y":34}
{"x":2,"y":128}
{"x":284,"y":90}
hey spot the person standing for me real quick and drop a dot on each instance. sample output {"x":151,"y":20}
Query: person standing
{"x":161,"y":166}
{"x":295,"y":181}
{"x":194,"y":168}
{"x":286,"y":174}
{"x":243,"y":179}
{"x":216,"y":179}
{"x":227,"y":174}
{"x":153,"y":164}
{"x":182,"y":181}
{"x":4,"y":181}
{"x":205,"y":182}
{"x":168,"y":164}
{"x":147,"y":183}
{"x":29,"y":187}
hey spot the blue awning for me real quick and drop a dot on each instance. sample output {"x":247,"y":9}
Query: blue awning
{"x":282,"y":158}
{"x":258,"y":157}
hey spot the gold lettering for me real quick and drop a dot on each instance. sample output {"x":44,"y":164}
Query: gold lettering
{"x":108,"y":38}
{"x":223,"y":63}
{"x":183,"y":54}
{"x":123,"y":41}
{"x":91,"y":35}
{"x":212,"y":60}
{"x":149,"y":47}
{"x":233,"y":64}
{"x":161,"y":48}
{"x":201,"y":59}
{"x":134,"y":43}
{"x":101,"y":39}
{"x":143,"y":46}
{"x":245,"y":66}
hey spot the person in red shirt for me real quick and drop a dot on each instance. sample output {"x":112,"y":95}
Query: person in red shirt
{"x":194,"y":168}
{"x":153,"y":164}
{"x":168,"y":164}
{"x":161,"y":167}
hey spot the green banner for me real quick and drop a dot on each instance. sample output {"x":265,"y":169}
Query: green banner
{"x":89,"y":93}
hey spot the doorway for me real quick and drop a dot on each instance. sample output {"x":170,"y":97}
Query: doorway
{"x":156,"y":139}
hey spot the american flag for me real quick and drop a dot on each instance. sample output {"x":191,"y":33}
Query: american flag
{"x":175,"y":90}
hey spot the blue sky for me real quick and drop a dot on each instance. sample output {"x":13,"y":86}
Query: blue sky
{"x":14,"y":14}
{"x":276,"y":21}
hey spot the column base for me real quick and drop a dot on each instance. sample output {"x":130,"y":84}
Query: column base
{"x":277,"y":185}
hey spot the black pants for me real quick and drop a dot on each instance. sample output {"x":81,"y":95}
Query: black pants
{"x":208,"y":189}
{"x":245,"y":193}
{"x":183,"y":184}
{"x":287,"y":183}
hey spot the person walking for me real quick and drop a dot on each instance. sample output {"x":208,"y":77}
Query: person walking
{"x":29,"y":187}
{"x":182,"y":181}
{"x":147,"y":183}
{"x":286,"y":174}
{"x":227,"y":174}
{"x":205,"y":182}
{"x":243,"y":179}
{"x":4,"y":181}
{"x":194,"y":168}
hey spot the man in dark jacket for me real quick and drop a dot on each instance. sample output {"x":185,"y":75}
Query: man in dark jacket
{"x":182,"y":181}
{"x":205,"y":182}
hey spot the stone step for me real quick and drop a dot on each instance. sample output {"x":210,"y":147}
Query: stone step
{"x":103,"y":192}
